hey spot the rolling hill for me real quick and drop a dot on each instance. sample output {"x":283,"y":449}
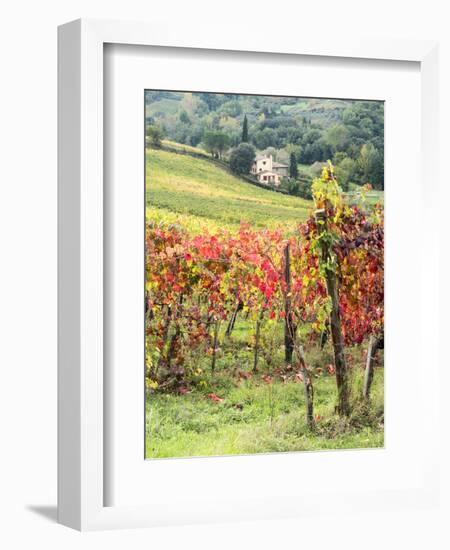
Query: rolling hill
{"x":198,"y":193}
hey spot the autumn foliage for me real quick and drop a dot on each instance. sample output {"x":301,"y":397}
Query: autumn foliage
{"x":195,"y":282}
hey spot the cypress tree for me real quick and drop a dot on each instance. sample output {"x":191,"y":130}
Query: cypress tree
{"x":245,"y":130}
{"x":293,"y":168}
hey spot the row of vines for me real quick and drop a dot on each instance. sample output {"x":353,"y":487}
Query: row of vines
{"x":327,"y":275}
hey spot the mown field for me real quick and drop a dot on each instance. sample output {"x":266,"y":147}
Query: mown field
{"x":196,"y":193}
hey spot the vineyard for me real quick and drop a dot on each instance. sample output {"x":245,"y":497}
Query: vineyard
{"x":264,"y":328}
{"x":195,"y":193}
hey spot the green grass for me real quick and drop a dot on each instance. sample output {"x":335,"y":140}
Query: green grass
{"x":184,"y":148}
{"x":256,"y":417}
{"x":372,"y":197}
{"x":200,"y":193}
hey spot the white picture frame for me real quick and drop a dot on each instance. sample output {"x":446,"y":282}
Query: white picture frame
{"x":82,"y":484}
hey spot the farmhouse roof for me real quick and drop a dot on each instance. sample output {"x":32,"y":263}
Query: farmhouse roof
{"x":267,"y":172}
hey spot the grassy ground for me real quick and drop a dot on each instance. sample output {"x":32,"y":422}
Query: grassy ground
{"x":199,"y":193}
{"x":254,"y":416}
{"x":184,"y":148}
{"x":372,"y":197}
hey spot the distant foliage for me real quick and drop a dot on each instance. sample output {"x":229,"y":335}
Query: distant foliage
{"x":241,"y":158}
{"x":154,"y":134}
{"x":216,"y":143}
{"x":304,"y":190}
{"x":313,"y":129}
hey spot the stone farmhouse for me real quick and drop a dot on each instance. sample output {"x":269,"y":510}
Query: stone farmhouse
{"x":267,"y":171}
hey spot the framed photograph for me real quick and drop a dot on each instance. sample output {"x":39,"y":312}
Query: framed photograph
{"x":241,"y":332}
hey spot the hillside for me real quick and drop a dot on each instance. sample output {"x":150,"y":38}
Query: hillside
{"x":312,"y":130}
{"x":198,"y":193}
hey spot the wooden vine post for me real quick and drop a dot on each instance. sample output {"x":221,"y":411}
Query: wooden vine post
{"x":289,"y":328}
{"x":374,"y":346}
{"x":291,"y":344}
{"x":165,"y":337}
{"x":343,"y":406}
{"x":256,"y":350}
{"x":308,"y":388}
{"x":307,"y":382}
{"x":233,"y":318}
{"x":176,"y":335}
{"x":368,"y":374}
{"x":214,"y":349}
